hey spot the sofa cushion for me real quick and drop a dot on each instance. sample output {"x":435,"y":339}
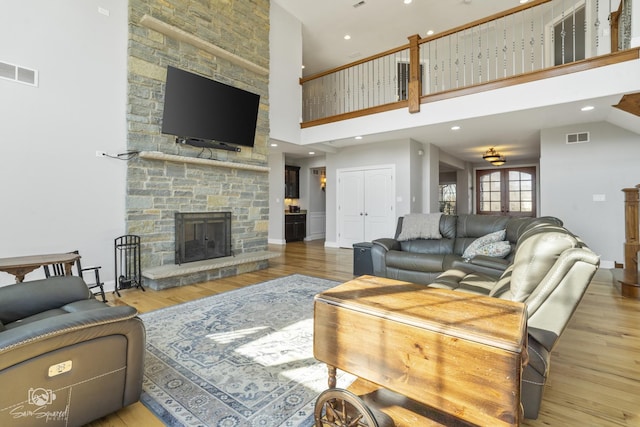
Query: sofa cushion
{"x":472,"y":249}
{"x":470,"y":225}
{"x":414,"y":261}
{"x":495,"y":249}
{"x":420,"y":226}
{"x":428,"y":246}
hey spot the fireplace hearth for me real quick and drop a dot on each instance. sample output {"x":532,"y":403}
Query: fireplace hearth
{"x":202,"y":235}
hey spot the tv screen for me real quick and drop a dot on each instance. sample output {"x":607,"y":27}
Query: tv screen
{"x":199,"y":108}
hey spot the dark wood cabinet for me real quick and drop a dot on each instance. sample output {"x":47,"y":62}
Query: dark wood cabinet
{"x":295,"y":227}
{"x":291,"y":182}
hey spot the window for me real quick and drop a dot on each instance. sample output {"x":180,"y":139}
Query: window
{"x":447,"y":199}
{"x":506,"y":192}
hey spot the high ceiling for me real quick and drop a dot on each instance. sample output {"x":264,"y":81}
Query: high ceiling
{"x":378,"y":25}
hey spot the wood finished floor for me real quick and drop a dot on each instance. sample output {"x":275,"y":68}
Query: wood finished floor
{"x":595,"y":368}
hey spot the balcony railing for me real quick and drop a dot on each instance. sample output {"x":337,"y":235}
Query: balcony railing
{"x":539,"y":35}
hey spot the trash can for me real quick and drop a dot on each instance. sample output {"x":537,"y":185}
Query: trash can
{"x":362,"y":263}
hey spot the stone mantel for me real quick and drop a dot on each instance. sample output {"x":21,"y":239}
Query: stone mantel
{"x":157,"y":155}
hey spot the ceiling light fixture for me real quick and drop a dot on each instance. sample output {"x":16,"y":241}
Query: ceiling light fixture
{"x":407,"y":1}
{"x":347,"y":37}
{"x":430,"y":32}
{"x":491,"y":155}
{"x":501,"y":161}
{"x":587,"y":108}
{"x":455,"y":127}
{"x":311,"y":153}
{"x":358,"y":137}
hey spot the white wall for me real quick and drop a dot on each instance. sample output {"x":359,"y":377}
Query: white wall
{"x":285,"y":62}
{"x":571,"y":175}
{"x":56,"y":195}
{"x":276,"y":199}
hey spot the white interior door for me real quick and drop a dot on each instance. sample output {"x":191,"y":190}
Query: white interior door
{"x":350,"y":208}
{"x":379,"y":211}
{"x":366,"y":208}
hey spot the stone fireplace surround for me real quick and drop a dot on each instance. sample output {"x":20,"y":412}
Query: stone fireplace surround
{"x":228,"y":42}
{"x":226,"y":190}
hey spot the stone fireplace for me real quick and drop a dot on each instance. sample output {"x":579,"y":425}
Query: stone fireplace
{"x":202,"y":235}
{"x":166,"y":177}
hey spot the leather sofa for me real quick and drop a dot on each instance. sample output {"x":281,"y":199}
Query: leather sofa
{"x":421,"y":260}
{"x":65,"y":357}
{"x":550,"y":272}
{"x":548,"y":269}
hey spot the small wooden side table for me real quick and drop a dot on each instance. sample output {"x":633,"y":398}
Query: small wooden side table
{"x":461,"y":354}
{"x":20,"y":266}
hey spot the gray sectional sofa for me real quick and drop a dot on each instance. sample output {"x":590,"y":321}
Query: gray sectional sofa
{"x":547,"y":268}
{"x":421,"y":260}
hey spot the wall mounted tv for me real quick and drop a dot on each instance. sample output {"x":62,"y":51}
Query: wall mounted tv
{"x":206,"y":113}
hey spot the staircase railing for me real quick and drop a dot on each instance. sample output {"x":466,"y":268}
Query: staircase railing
{"x":535,"y":36}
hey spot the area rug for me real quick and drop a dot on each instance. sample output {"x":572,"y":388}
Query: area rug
{"x":240,"y":358}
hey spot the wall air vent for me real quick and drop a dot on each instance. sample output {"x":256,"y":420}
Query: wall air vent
{"x":18,"y":74}
{"x":577,"y":138}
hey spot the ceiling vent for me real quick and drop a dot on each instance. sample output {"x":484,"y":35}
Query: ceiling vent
{"x":577,"y":138}
{"x":360,"y":3}
{"x":18,"y":74}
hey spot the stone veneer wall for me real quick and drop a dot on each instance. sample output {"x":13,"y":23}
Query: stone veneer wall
{"x":156,"y":189}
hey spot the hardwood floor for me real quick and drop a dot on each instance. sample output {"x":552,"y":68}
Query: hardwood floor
{"x":595,"y":368}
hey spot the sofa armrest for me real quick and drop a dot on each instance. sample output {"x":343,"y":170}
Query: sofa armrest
{"x":387,"y":243}
{"x":31,"y":340}
{"x":54,"y":326}
{"x":22,"y":300}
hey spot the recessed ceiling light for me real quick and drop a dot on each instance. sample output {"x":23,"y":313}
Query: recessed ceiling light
{"x":455,"y":127}
{"x":311,"y":153}
{"x":407,"y":1}
{"x":430,"y":32}
{"x":347,"y":37}
{"x":358,"y":137}
{"x":273,"y":144}
{"x":587,"y":108}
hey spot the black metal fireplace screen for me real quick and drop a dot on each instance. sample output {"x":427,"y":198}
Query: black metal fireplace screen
{"x":202,"y":235}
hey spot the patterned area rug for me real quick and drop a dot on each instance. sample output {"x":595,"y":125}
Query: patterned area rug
{"x":241,"y":358}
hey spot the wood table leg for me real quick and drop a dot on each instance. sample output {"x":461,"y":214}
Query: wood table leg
{"x":332,"y":376}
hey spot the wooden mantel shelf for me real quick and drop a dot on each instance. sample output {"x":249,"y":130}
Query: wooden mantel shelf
{"x":179,"y":34}
{"x":157,"y":155}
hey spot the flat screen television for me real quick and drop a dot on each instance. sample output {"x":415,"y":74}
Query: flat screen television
{"x":203,"y":112}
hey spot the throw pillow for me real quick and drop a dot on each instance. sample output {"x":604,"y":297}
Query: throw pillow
{"x":420,"y":226}
{"x":495,"y":249}
{"x":472,"y":249}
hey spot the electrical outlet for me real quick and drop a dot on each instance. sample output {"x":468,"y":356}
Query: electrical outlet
{"x":101,"y":153}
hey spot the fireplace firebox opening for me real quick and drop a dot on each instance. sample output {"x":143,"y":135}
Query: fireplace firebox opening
{"x":202,"y":235}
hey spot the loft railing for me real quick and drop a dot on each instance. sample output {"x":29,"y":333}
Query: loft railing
{"x":535,"y":36}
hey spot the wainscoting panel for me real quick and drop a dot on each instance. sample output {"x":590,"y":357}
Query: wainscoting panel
{"x":317,"y":225}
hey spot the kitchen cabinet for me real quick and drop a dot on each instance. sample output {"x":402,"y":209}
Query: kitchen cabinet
{"x":295,"y":227}
{"x":291,"y":182}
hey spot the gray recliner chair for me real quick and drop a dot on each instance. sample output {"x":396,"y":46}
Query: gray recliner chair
{"x":66,"y":358}
{"x":550,"y":273}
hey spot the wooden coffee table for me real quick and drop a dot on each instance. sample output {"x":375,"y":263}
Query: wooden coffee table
{"x":424,"y":356}
{"x":20,"y":266}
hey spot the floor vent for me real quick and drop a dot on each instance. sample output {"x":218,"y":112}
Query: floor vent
{"x":18,"y":74}
{"x":577,"y":138}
